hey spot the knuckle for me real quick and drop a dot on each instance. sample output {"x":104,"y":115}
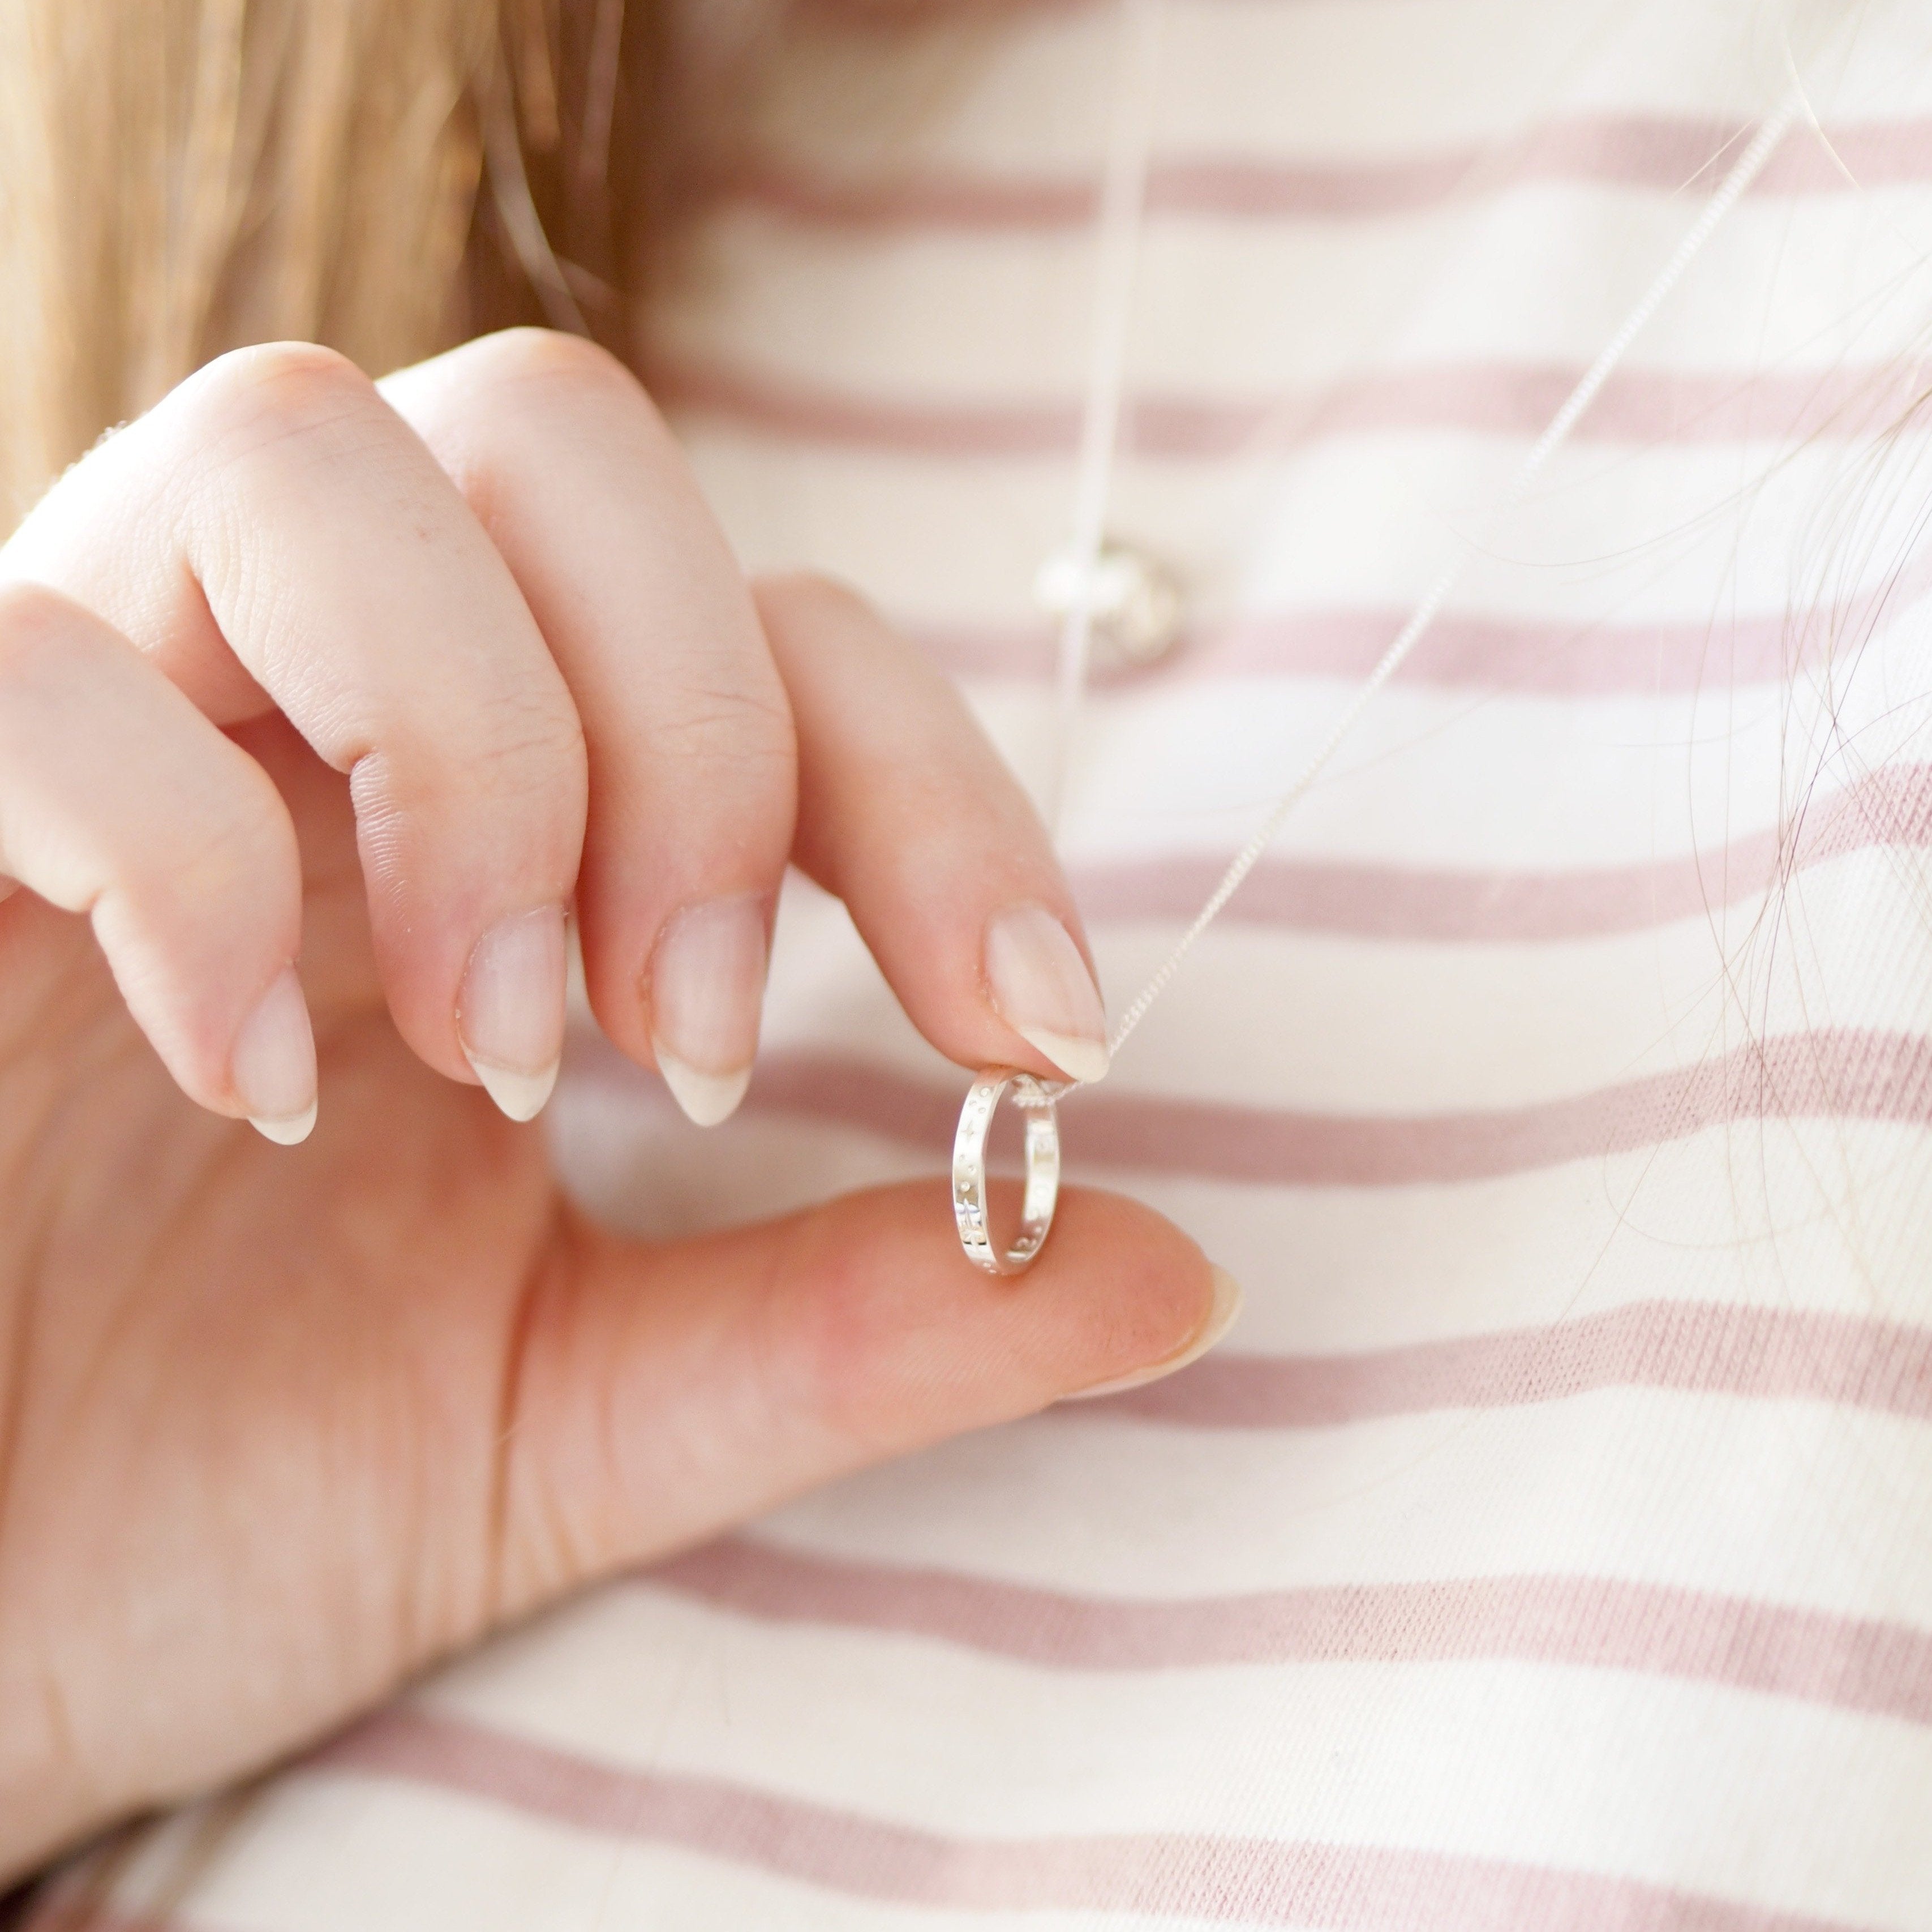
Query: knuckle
{"x":39,"y":630}
{"x":56,"y":659}
{"x":747,"y":728}
{"x":534,"y":748}
{"x":225,"y":838}
{"x":235,"y":848}
{"x":216,"y":847}
{"x":547,"y":361}
{"x":512,"y":749}
{"x":532,"y":722}
{"x":278,"y":390}
{"x":810,"y":593}
{"x":810,"y":619}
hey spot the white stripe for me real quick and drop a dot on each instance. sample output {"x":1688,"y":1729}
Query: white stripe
{"x":1798,"y":288}
{"x":1792,"y":1501}
{"x":1546,"y":1764}
{"x":1358,"y":521}
{"x":1289,"y":80}
{"x":1493,"y":785}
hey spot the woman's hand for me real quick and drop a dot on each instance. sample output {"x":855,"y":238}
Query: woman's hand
{"x":389,"y":682}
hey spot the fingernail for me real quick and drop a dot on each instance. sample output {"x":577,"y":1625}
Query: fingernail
{"x":1223,"y":1308}
{"x":273,"y":1066}
{"x":707,"y":987}
{"x":509,"y":1015}
{"x":1042,"y":989}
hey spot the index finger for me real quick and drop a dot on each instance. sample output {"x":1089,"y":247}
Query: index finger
{"x":908,"y":813}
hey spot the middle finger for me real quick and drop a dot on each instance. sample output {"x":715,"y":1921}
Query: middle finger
{"x":693,"y":765}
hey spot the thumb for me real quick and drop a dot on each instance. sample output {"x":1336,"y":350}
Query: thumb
{"x":662,"y":1394}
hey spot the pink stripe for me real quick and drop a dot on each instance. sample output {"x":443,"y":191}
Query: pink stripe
{"x":1257,"y":1881}
{"x":1476,"y":650}
{"x":1485,"y":651}
{"x":1595,"y":1623}
{"x":1830,"y":1074}
{"x":1398,"y":903}
{"x":1644,"y":406}
{"x":1479,"y":650}
{"x":1764,"y":1354}
{"x":1892,"y":809}
{"x":1653,"y":152}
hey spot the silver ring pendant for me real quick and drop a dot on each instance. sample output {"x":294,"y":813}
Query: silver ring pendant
{"x":1034,"y":1097}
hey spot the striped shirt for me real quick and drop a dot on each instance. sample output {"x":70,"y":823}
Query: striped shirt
{"x":1551,"y":1545}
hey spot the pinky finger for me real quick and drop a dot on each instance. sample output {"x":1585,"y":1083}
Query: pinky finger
{"x":119,"y":799}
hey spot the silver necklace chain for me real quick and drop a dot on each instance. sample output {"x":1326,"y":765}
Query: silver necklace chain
{"x":1122,"y":219}
{"x":1123,"y":212}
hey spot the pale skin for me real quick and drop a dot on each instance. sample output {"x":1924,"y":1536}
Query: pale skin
{"x":296,"y":672}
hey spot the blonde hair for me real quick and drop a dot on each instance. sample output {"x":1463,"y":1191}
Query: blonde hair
{"x":181,"y":177}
